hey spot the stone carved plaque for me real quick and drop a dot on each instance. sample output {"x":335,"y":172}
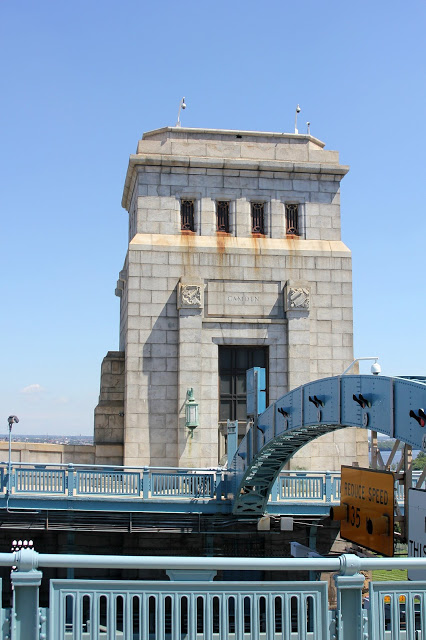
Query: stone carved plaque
{"x":252,"y":299}
{"x":190,"y":296}
{"x":297,"y":299}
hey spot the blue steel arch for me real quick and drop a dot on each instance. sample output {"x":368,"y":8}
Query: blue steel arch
{"x":392,"y":406}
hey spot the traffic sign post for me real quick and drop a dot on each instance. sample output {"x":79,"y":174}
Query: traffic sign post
{"x":366,"y":508}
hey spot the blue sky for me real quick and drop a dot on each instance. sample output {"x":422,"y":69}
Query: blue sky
{"x":82,"y":80}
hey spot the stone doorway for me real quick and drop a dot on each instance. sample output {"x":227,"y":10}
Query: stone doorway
{"x":233,"y":364}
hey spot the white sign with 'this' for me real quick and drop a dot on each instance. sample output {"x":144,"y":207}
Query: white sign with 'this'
{"x":416,"y":530}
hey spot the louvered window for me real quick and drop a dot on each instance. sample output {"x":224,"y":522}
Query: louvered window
{"x":292,"y":219}
{"x":257,"y":217}
{"x":222,"y":209}
{"x":187,"y":215}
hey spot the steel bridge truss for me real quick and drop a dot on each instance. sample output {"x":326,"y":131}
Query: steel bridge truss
{"x":392,"y":406}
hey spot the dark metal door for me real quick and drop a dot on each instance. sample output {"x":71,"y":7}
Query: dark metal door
{"x":233,"y":364}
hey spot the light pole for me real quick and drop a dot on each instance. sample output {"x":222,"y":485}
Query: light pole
{"x":10,"y":420}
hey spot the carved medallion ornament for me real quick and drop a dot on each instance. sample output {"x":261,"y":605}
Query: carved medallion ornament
{"x":297,"y":299}
{"x":190,"y":296}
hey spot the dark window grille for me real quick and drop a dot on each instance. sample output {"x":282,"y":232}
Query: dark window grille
{"x":257,"y":217}
{"x":223,"y":216}
{"x":292,"y":219}
{"x":187,"y":215}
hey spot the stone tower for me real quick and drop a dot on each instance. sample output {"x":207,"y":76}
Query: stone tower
{"x":235,"y":259}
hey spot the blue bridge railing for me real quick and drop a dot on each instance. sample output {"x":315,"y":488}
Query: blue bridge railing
{"x":162,"y":485}
{"x":82,"y":481}
{"x":196,"y":603}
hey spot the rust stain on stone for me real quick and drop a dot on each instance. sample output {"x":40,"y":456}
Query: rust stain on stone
{"x":291,"y":253}
{"x":256,"y":246}
{"x":187,"y":247}
{"x":187,"y":236}
{"x":221,"y":242}
{"x":223,"y":258}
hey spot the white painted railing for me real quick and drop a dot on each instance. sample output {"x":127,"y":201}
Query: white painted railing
{"x":191,"y":605}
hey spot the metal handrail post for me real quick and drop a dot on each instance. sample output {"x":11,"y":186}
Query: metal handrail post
{"x":218,"y":485}
{"x":349,"y":614}
{"x":26,"y":581}
{"x":71,"y":479}
{"x":146,"y":483}
{"x":276,"y":490}
{"x":328,"y":486}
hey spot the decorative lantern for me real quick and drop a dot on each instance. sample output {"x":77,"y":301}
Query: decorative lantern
{"x":191,"y":411}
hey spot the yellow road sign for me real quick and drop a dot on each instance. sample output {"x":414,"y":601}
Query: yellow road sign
{"x":367,"y":508}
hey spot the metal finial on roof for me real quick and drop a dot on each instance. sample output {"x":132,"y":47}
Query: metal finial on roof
{"x":181,"y":106}
{"x":298,"y":110}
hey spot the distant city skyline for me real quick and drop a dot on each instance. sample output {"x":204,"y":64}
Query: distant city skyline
{"x":81,"y":85}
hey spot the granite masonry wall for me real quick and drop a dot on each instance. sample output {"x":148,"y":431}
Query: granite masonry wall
{"x":186,"y":293}
{"x":44,"y":453}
